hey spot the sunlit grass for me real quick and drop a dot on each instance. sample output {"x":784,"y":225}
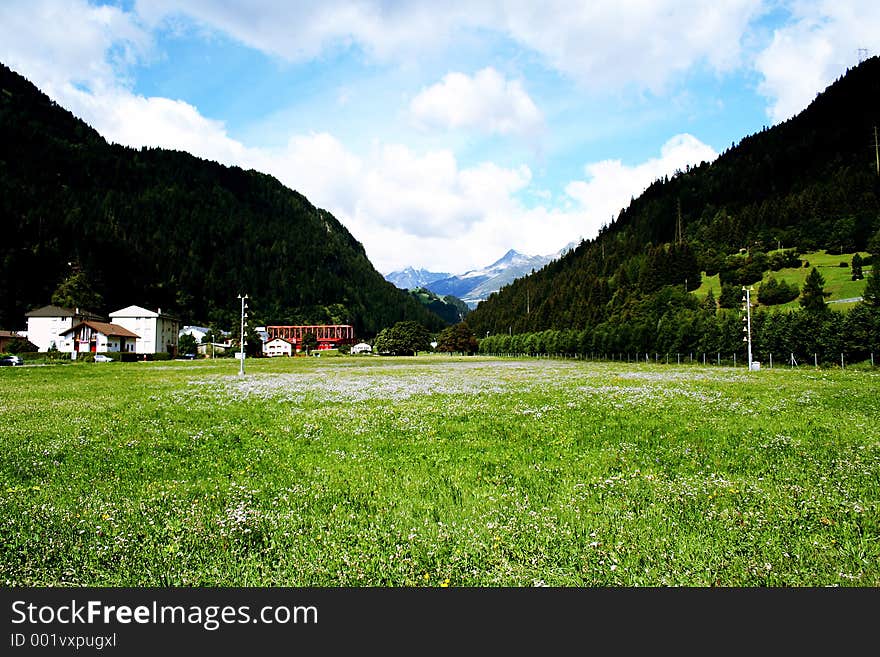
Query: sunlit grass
{"x":435,"y":471}
{"x":838,"y":280}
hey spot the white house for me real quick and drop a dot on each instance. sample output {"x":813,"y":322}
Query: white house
{"x":157,"y":332}
{"x":279,"y":347}
{"x":97,"y":337}
{"x":45,"y":325}
{"x":361,"y":348}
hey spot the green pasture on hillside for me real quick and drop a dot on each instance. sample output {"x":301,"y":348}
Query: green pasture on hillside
{"x":838,"y":280}
{"x":438,"y":471}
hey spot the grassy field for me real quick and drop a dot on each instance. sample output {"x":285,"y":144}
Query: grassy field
{"x":438,"y":471}
{"x":838,"y":280}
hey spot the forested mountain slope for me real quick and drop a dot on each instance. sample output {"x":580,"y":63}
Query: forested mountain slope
{"x":808,"y":183}
{"x":161,"y":228}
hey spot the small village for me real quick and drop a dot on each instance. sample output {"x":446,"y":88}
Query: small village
{"x":134,"y":333}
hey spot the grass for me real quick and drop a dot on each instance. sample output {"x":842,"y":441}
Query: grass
{"x":438,"y":471}
{"x":838,"y":280}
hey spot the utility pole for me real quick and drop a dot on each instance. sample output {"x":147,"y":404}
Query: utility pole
{"x":747,"y":329}
{"x":679,"y":237}
{"x":877,"y":150}
{"x":241,"y":340}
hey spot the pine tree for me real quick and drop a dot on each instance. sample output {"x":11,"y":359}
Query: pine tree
{"x":813,"y":294}
{"x":871,"y":295}
{"x":710,"y":305}
{"x":857,"y":268}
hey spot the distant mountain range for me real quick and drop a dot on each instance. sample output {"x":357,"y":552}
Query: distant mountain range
{"x":410,"y":279}
{"x":477,"y":284}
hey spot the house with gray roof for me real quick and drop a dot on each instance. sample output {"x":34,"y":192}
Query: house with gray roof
{"x":45,"y":325}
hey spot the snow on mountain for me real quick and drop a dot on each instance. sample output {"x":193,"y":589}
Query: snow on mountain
{"x":409,"y":278}
{"x":475,"y":285}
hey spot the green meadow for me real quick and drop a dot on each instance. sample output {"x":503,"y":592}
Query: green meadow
{"x":438,"y":471}
{"x":838,"y":280}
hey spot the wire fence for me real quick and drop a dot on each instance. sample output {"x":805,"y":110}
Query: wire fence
{"x":718,"y":359}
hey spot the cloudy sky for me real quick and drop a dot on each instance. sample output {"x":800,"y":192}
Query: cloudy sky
{"x":442,"y":133}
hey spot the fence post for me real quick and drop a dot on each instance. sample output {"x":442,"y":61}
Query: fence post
{"x":872,"y":359}
{"x":678,"y":356}
{"x":734,"y":360}
{"x":771,"y":360}
{"x":816,"y":360}
{"x":841,"y":361}
{"x":719,"y":359}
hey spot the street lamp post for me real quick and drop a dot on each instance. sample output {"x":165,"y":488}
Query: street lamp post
{"x":241,"y":340}
{"x":747,"y":329}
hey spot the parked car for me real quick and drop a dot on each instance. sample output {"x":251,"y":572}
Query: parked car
{"x":188,"y":356}
{"x":101,"y":358}
{"x":11,"y":360}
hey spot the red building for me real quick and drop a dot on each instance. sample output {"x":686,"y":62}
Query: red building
{"x":329,"y":335}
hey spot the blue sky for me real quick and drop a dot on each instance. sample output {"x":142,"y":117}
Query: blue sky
{"x":442,"y":134}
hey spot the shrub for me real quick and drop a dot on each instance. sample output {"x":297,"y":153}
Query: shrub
{"x":774,"y":292}
{"x":783,"y":259}
{"x":20,"y":346}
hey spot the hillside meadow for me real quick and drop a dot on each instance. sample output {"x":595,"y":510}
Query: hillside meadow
{"x":438,"y":471}
{"x":838,"y":280}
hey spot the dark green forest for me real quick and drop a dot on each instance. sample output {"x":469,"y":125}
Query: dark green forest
{"x":809,"y":183}
{"x":162,"y":228}
{"x":449,"y":308}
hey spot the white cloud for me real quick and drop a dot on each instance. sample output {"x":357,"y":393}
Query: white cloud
{"x":298,"y":30}
{"x":58,"y":43}
{"x":628,"y":42}
{"x":406,"y":206}
{"x":486,"y":102}
{"x":133,"y":120}
{"x":808,"y":54}
{"x":611,"y":184}
{"x":633,"y":42}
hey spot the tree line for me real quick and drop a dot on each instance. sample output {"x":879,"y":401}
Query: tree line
{"x":674,"y":322}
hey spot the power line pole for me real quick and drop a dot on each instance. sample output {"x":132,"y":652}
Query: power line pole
{"x":241,"y":340}
{"x":678,"y":230}
{"x":877,"y":150}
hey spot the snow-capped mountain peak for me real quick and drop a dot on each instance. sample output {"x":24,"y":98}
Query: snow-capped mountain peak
{"x":475,"y":285}
{"x":409,"y":278}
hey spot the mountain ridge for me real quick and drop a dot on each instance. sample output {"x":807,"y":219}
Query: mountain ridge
{"x":810,"y":182}
{"x":164,"y":228}
{"x":475,"y":285}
